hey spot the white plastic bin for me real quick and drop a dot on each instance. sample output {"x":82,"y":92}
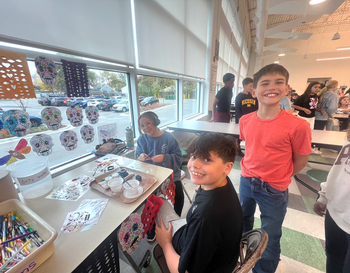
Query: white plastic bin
{"x":33,"y":177}
{"x":45,"y":231}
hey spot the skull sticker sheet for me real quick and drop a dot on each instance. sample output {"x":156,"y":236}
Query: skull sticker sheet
{"x":69,"y":140}
{"x":52,"y":118}
{"x":15,"y":79}
{"x":92,"y":114}
{"x":17,"y":122}
{"x":75,"y":116}
{"x":42,"y":144}
{"x":87,"y":133}
{"x":46,"y":70}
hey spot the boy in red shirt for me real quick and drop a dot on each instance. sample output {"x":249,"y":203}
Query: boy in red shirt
{"x":277,"y":147}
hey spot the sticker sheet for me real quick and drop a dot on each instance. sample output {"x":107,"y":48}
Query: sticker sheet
{"x":92,"y":114}
{"x":130,"y":233}
{"x":75,"y":116}
{"x":17,"y":122}
{"x":46,"y":70}
{"x":87,"y":133}
{"x":71,"y":190}
{"x":69,"y":140}
{"x":106,"y":131}
{"x":15,"y":79}
{"x":42,"y":144}
{"x":52,"y":118}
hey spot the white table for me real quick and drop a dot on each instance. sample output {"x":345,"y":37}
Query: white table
{"x":323,"y":139}
{"x":341,"y":116}
{"x":72,"y":248}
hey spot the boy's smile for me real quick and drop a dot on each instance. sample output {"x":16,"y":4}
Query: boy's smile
{"x":209,"y":173}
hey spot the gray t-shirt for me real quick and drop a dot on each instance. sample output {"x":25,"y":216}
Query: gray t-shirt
{"x":285,"y":104}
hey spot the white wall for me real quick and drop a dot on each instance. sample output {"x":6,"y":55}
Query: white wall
{"x":320,"y":46}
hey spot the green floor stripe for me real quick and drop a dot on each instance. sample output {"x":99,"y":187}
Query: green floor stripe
{"x":301,"y":247}
{"x":309,"y":203}
{"x":237,"y":165}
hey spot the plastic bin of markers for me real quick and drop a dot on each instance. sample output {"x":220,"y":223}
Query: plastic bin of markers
{"x":45,"y":231}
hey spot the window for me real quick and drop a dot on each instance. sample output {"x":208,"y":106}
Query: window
{"x":190,"y":92}
{"x":159,"y":96}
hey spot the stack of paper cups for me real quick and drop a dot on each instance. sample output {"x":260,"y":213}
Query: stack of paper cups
{"x":7,"y":187}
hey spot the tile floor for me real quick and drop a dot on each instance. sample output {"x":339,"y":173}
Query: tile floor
{"x":303,"y":238}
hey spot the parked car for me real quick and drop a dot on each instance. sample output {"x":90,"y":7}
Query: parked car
{"x":149,"y":101}
{"x":83,"y":104}
{"x":45,"y":101}
{"x":122,"y":105}
{"x":95,"y":102}
{"x":107,"y":105}
{"x":98,"y":97}
{"x":59,"y":101}
{"x":35,"y":120}
{"x":141,"y":98}
{"x":74,"y":101}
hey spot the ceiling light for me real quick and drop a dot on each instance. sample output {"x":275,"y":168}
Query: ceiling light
{"x":344,"y":48}
{"x":282,"y":54}
{"x":315,"y":2}
{"x":336,"y":36}
{"x":276,"y":62}
{"x":330,"y":59}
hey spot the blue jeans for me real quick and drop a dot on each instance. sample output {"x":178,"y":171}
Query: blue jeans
{"x":337,"y":247}
{"x":273,"y":207}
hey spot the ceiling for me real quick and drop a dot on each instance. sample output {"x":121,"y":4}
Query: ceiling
{"x":292,"y":20}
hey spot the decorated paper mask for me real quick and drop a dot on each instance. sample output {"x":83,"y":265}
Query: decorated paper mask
{"x":87,"y":133}
{"x":92,"y":114}
{"x":75,"y":116}
{"x":42,"y":144}
{"x":46,"y":70}
{"x":17,"y":122}
{"x":52,"y":118}
{"x":130,"y":233}
{"x":69,"y":140}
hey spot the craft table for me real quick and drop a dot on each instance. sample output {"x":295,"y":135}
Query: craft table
{"x":72,"y":248}
{"x":323,"y":139}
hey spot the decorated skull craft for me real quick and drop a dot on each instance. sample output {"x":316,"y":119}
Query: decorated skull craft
{"x":75,"y":116}
{"x":46,"y":70}
{"x":69,"y":140}
{"x":130,"y":233}
{"x":92,"y":114}
{"x":87,"y":133}
{"x":17,"y":122}
{"x":42,"y":144}
{"x":52,"y":118}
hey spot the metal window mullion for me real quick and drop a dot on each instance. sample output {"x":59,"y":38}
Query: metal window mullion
{"x":179,"y":99}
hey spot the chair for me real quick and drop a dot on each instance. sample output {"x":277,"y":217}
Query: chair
{"x":183,"y":175}
{"x":253,"y":243}
{"x":316,"y":175}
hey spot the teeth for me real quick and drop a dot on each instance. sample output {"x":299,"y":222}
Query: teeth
{"x":271,"y":95}
{"x":198,"y":174}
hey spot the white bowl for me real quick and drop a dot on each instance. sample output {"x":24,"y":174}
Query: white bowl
{"x":116,"y":184}
{"x":134,"y":186}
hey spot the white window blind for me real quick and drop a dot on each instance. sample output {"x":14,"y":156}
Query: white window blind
{"x":99,"y":28}
{"x":172,"y":35}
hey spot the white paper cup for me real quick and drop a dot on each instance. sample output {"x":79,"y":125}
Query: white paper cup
{"x":116,"y":184}
{"x":134,"y":183}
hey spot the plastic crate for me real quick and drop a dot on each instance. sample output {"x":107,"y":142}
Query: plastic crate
{"x":45,"y":231}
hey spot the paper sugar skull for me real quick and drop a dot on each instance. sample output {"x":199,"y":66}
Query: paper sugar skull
{"x":17,"y":122}
{"x":75,"y":116}
{"x":87,"y":133}
{"x":130,"y":233}
{"x":69,"y":140}
{"x":42,"y":144}
{"x":46,"y":70}
{"x":92,"y":114}
{"x":52,"y":118}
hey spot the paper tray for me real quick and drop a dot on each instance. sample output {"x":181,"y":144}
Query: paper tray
{"x":147,"y":181}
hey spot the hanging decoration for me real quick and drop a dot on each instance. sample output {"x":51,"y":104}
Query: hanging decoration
{"x":69,"y":140}
{"x":20,"y":149}
{"x":87,"y":133}
{"x":149,"y":213}
{"x":130,"y":233}
{"x":17,"y":122}
{"x":75,"y":75}
{"x":92,"y":114}
{"x":52,"y":117}
{"x":75,"y":115}
{"x":42,"y":144}
{"x":15,"y":78}
{"x":46,"y":70}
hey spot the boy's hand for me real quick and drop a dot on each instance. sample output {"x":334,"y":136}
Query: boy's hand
{"x":158,"y":158}
{"x":164,"y":236}
{"x":323,"y":112}
{"x":319,"y":209}
{"x":142,"y":157}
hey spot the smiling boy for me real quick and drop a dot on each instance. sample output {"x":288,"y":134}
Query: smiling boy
{"x":277,"y":147}
{"x":210,"y":240}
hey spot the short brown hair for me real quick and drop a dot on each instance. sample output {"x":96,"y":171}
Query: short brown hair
{"x":224,"y":146}
{"x":270,"y":69}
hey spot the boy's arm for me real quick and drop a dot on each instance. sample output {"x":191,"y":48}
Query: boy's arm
{"x":299,"y":162}
{"x":238,"y":109}
{"x":214,"y":108}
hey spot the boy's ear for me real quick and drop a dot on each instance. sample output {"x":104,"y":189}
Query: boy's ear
{"x":253,"y":93}
{"x":228,"y":168}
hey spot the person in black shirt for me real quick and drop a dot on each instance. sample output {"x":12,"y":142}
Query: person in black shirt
{"x":306,"y":104}
{"x":245,"y":103}
{"x":210,"y":240}
{"x":222,"y":101}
